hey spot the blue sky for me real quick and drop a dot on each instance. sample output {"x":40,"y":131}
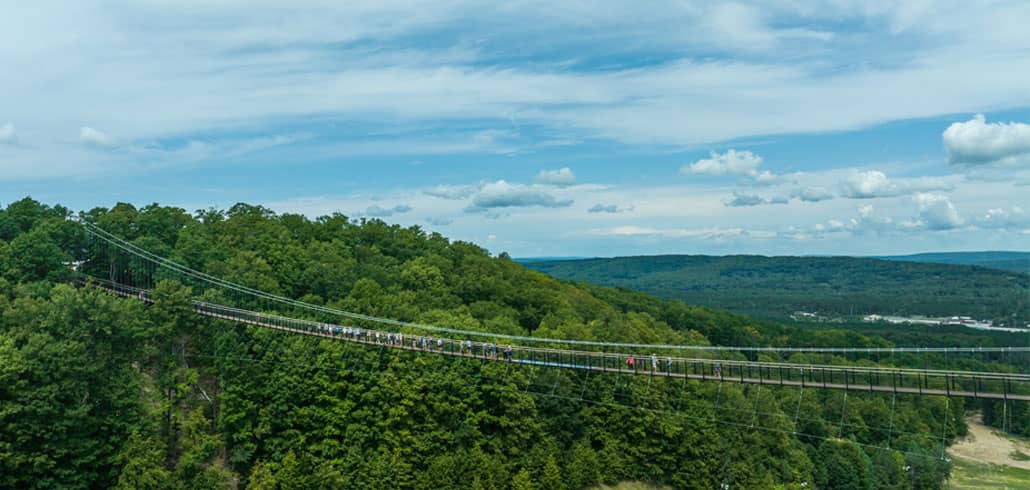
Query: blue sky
{"x":576,"y":128}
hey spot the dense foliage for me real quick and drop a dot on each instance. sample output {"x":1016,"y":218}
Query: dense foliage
{"x":775,"y":287}
{"x":99,"y":392}
{"x":1010,"y":261}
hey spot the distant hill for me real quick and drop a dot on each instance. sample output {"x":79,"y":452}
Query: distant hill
{"x":774,"y":287}
{"x":526,"y":260}
{"x":1012,"y":261}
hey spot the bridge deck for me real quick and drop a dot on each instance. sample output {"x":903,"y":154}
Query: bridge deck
{"x":970,"y":384}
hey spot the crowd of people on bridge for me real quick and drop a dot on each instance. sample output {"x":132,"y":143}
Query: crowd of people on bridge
{"x":486,"y":350}
{"x":424,"y":343}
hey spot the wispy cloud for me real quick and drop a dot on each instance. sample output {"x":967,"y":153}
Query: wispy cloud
{"x":453,"y":192}
{"x":608,"y":208}
{"x":380,"y":212}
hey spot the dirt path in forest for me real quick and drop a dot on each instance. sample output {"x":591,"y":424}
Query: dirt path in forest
{"x":984,"y":445}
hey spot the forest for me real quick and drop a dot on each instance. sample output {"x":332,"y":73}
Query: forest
{"x":102,"y":392}
{"x":776,"y":287}
{"x":1010,"y":261}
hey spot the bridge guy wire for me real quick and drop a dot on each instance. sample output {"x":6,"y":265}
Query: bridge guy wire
{"x":144,"y":254}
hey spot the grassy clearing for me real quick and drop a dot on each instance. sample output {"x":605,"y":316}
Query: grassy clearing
{"x":1019,"y":455}
{"x":967,"y":475}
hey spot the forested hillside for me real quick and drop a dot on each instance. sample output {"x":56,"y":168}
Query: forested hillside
{"x":1010,"y":261}
{"x":99,"y":392}
{"x":775,"y":287}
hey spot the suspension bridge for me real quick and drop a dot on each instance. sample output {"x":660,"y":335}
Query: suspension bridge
{"x":115,"y":265}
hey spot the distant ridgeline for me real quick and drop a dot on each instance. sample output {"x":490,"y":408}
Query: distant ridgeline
{"x":776,"y":287}
{"x":1010,"y":261}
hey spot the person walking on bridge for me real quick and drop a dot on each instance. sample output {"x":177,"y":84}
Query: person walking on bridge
{"x":630,"y":363}
{"x":654,"y":363}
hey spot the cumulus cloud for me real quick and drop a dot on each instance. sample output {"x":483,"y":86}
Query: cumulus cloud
{"x":767,"y":178}
{"x":936,"y":212}
{"x":452,"y":192}
{"x":977,"y":142}
{"x":869,"y":221}
{"x":811,"y":194}
{"x":501,"y":194}
{"x":607,"y":208}
{"x":732,"y":162}
{"x":94,"y":137}
{"x":1002,"y":218}
{"x":8,"y":134}
{"x":562,"y":177}
{"x":380,"y":212}
{"x":874,"y":183}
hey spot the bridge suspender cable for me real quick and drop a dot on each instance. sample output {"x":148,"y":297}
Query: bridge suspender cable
{"x":139,"y":252}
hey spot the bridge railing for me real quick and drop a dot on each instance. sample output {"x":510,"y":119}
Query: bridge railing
{"x":848,"y":377}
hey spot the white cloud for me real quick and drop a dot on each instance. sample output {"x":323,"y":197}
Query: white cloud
{"x":380,"y":212}
{"x":8,"y":134}
{"x":93,"y":137}
{"x":501,"y":194}
{"x":1004,"y":218}
{"x":733,"y":162}
{"x":562,"y":177}
{"x":977,"y":142}
{"x":811,"y":194}
{"x":936,"y":212}
{"x":874,"y":183}
{"x":452,"y":192}
{"x":740,"y":200}
{"x":743,"y":70}
{"x":766,"y":177}
{"x":868,"y":184}
{"x":608,"y":208}
{"x":668,"y":217}
{"x":806,"y":194}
